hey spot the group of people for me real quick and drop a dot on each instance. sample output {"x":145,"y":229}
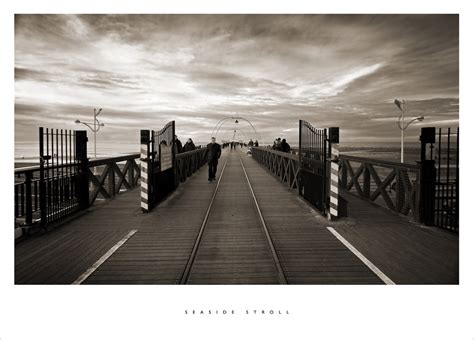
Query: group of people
{"x":252,"y":143}
{"x":214,"y":150}
{"x":232,"y":145}
{"x":189,"y":146}
{"x":281,"y":145}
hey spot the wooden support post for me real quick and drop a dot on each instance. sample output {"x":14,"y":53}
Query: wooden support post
{"x":131,"y":176}
{"x":111,"y":181}
{"x":343,"y":174}
{"x":398,"y":191}
{"x":366,"y":182}
{"x":28,"y":202}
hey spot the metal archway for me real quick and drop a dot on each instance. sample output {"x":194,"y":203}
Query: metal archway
{"x":219,"y":124}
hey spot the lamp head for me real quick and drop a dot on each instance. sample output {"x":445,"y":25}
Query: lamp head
{"x":399,"y":103}
{"x":101,"y":124}
{"x":77,"y":121}
{"x":420,"y":118}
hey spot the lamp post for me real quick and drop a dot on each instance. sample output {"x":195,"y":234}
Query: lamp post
{"x":401,"y":124}
{"x":95,"y":127}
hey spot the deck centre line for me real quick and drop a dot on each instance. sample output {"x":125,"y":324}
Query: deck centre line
{"x":104,"y":258}
{"x":361,"y":257}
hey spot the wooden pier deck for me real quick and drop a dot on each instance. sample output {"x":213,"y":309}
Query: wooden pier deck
{"x":234,"y":247}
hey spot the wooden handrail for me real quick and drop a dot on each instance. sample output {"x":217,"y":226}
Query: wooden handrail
{"x":94,"y":162}
{"x":276,"y":152}
{"x":108,"y":183}
{"x":378,"y":162}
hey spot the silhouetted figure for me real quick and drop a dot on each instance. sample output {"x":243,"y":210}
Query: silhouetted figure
{"x":213,"y":155}
{"x":256,"y":143}
{"x":179,"y":145}
{"x":277,"y":144}
{"x":284,"y":146}
{"x":250,"y":143}
{"x":189,"y":146}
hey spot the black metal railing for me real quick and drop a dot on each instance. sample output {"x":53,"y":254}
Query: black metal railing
{"x":440,"y":156}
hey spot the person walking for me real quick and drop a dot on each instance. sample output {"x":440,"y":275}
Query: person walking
{"x":189,"y":146}
{"x":213,"y":155}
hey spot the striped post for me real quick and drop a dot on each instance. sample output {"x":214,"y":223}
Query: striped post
{"x":334,"y":182}
{"x":144,"y":169}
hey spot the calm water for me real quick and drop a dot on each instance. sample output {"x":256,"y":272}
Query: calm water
{"x":28,"y":152}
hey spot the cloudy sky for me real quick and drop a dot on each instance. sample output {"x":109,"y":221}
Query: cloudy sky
{"x":332,"y":70}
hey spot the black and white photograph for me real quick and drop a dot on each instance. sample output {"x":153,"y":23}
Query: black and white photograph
{"x":249,"y":169}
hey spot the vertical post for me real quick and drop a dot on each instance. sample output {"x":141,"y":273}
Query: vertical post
{"x":427,"y":179}
{"x":42,"y":184}
{"x":29,"y":207}
{"x":174,"y":152}
{"x":130,"y":173}
{"x":366,"y":182}
{"x":144,"y":169}
{"x":343,"y":175}
{"x":299,"y":159}
{"x":334,"y":177}
{"x":95,"y":137}
{"x":81,"y":157}
{"x":402,"y":158}
{"x":325,"y":198}
{"x":111,"y":180}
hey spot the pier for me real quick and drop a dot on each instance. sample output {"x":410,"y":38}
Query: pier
{"x":313,"y":216}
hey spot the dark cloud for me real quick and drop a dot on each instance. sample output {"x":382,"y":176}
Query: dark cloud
{"x":332,"y":70}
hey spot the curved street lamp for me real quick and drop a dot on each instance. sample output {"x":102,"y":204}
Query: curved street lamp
{"x":401,"y":124}
{"x":95,"y":127}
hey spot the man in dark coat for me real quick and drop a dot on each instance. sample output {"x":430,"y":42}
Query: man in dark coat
{"x":189,"y":146}
{"x":179,"y":145}
{"x":285,"y":147}
{"x":213,"y":155}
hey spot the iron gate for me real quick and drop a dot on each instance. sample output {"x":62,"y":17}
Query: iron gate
{"x":160,"y":160}
{"x":63,"y":182}
{"x":313,"y":155}
{"x":441,"y":159}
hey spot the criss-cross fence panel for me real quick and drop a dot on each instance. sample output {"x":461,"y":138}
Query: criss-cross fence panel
{"x":282,"y":165}
{"x":110,"y":176}
{"x":393,"y":185}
